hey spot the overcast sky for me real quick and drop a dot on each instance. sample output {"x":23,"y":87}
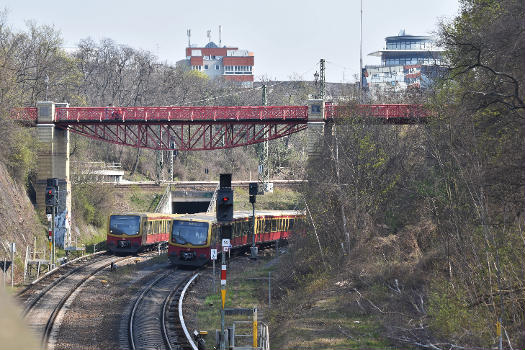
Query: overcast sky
{"x":288,"y":37}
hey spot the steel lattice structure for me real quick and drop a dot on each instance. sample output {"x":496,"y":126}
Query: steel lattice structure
{"x":205,"y":128}
{"x":185,"y":137}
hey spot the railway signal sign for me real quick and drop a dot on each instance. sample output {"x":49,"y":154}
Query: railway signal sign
{"x":4,"y":265}
{"x":213,"y":254}
{"x":223,"y":285}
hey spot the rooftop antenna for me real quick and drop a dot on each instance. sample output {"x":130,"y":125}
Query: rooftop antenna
{"x":188,"y":33}
{"x":208,"y":34}
{"x":220,"y":35}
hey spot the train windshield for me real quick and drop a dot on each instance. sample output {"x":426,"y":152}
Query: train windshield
{"x":124,"y":225}
{"x":189,"y":232}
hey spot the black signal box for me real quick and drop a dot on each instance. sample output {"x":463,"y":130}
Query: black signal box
{"x":254,"y":188}
{"x":224,"y":205}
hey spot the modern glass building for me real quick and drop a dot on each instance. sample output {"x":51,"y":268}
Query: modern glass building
{"x":406,"y":61}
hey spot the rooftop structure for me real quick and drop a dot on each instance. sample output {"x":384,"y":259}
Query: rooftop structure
{"x":228,"y":62}
{"x":406,"y":61}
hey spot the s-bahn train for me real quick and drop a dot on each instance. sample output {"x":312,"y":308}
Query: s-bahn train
{"x":131,"y":233}
{"x":194,"y":235}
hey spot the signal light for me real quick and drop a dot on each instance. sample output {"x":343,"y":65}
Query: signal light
{"x":51,"y":196}
{"x":224,"y":205}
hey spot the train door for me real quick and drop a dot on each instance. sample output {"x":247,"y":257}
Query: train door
{"x":145,"y":230}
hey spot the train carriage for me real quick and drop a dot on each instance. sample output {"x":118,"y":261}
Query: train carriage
{"x":194,"y":235}
{"x":134,"y":232}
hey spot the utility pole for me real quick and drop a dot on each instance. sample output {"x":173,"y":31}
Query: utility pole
{"x":13,"y":249}
{"x":361,"y":57}
{"x":322,"y":79}
{"x":170,"y":155}
{"x":264,"y":175}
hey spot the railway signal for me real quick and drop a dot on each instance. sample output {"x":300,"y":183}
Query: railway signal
{"x":225,"y":205}
{"x":225,"y":216}
{"x":51,"y":196}
{"x":225,"y":199}
{"x":51,"y":201}
{"x":254,"y":188}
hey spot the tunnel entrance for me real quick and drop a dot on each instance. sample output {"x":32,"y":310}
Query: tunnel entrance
{"x":189,"y":207}
{"x":190,"y":202}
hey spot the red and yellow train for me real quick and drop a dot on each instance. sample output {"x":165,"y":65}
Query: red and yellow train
{"x":131,"y":233}
{"x":194,"y":235}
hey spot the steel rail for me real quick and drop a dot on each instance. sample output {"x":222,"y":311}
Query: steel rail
{"x":57,"y":269}
{"x":131,"y":337}
{"x":164,"y":315}
{"x":50,"y":286}
{"x":181,"y":316}
{"x":58,"y":307}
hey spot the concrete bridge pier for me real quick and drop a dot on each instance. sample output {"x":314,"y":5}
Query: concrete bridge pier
{"x":53,"y":162}
{"x":319,"y":130}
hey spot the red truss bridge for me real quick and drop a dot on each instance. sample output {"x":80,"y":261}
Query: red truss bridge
{"x":207,"y":128}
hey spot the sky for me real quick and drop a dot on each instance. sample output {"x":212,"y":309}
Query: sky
{"x":287,"y":37}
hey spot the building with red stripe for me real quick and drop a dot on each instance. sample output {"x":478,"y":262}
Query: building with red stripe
{"x":229,"y":63}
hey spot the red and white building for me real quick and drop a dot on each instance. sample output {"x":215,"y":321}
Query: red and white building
{"x":228,"y":62}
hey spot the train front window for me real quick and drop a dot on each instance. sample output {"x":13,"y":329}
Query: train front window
{"x":189,"y":232}
{"x":124,"y":225}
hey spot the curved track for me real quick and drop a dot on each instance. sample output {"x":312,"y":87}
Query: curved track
{"x":154,"y":321}
{"x":42,"y":306}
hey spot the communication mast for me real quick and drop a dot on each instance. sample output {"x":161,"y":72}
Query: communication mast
{"x":264,"y":166}
{"x":188,"y":33}
{"x":322,"y":79}
{"x":208,"y":34}
{"x":220,"y":36}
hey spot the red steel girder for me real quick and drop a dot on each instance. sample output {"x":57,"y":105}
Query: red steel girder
{"x":407,"y":112}
{"x":185,"y":136}
{"x":179,"y":113}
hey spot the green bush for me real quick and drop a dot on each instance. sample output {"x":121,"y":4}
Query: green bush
{"x":21,"y":156}
{"x":91,"y":201}
{"x":449,"y":314}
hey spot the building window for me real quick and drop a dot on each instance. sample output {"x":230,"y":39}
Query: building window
{"x":217,"y":67}
{"x":206,"y":66}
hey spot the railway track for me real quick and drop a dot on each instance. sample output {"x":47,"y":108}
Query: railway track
{"x":34,"y":291}
{"x":155,"y":317}
{"x":44,"y":300}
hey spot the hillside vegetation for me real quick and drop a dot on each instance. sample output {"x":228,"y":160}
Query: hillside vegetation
{"x":420,"y":228}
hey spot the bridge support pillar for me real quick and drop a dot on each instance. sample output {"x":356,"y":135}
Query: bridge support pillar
{"x":319,"y":131}
{"x":53,"y":162}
